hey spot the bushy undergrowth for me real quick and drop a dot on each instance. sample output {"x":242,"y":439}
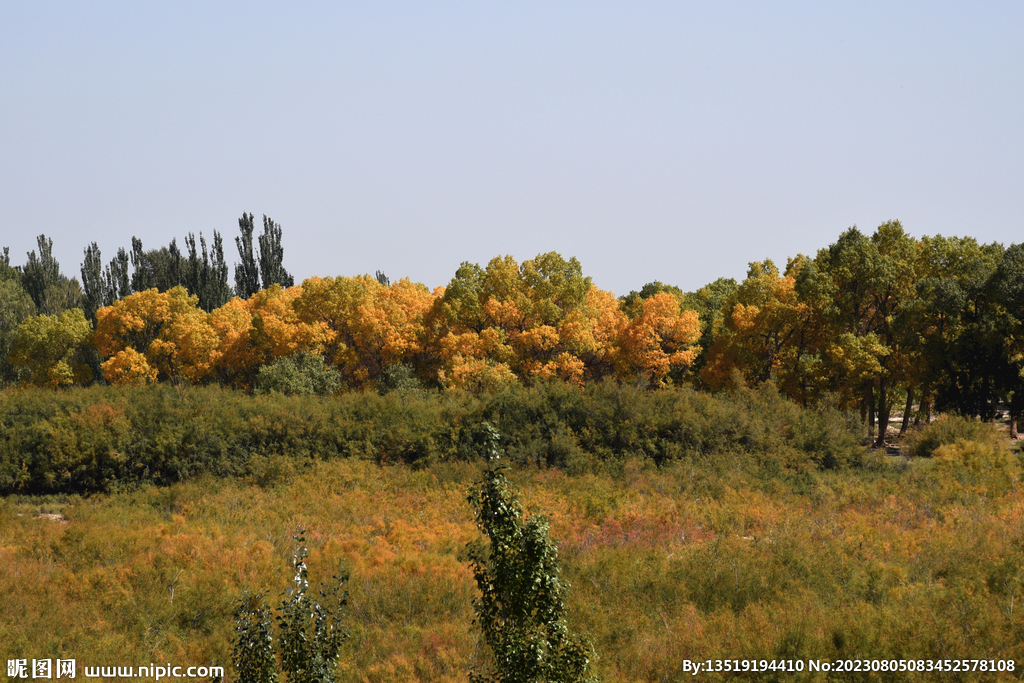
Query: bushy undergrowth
{"x":984,"y":468}
{"x":107,"y":438}
{"x":692,"y":560}
{"x":947,"y":430}
{"x":299,"y":374}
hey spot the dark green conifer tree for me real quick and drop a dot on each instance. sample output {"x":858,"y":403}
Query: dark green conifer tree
{"x":272,"y":256}
{"x":247,"y":274}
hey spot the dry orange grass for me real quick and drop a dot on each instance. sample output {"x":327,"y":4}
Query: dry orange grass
{"x":664,"y":565}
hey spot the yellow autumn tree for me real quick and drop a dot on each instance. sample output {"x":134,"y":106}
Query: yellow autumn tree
{"x":511,"y":320}
{"x":259,"y":330}
{"x":128,"y":367}
{"x":592,"y":333}
{"x":658,"y":338}
{"x":764,"y":332}
{"x":364,"y":326}
{"x":167,"y":328}
{"x":238,"y":358}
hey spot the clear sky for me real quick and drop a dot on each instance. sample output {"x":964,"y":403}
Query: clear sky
{"x":653,"y":140}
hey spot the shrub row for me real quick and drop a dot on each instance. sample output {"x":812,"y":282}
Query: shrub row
{"x":107,"y":438}
{"x":947,"y":430}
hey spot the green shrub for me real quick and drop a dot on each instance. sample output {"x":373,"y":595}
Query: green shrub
{"x":980,"y":467}
{"x":300,"y":374}
{"x":946,"y":430}
{"x":108,"y":438}
{"x":399,"y":377}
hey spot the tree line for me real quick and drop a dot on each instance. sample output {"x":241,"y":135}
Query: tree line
{"x":869,"y":323}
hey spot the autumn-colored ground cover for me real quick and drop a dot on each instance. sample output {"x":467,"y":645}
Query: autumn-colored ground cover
{"x":700,"y":559}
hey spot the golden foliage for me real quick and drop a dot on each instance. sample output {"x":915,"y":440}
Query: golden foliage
{"x":128,"y":367}
{"x":540,"y":319}
{"x":167,"y":328}
{"x":259,"y":330}
{"x":365,"y":326}
{"x":661,"y":337}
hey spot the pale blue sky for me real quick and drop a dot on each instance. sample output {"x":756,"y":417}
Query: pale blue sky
{"x":670,"y":141}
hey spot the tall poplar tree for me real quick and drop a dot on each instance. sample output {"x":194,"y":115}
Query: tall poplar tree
{"x":116,"y":278}
{"x":521,"y":609}
{"x":41,"y":271}
{"x":93,"y":286}
{"x":272,"y":256}
{"x":204,"y":276}
{"x":142,"y":275}
{"x":247,"y":275}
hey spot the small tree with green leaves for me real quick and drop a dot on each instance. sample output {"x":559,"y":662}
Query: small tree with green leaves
{"x":310,"y":630}
{"x":521,"y":608}
{"x":301,"y":374}
{"x":253,"y":654}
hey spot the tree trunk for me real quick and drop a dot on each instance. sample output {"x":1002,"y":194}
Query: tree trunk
{"x":907,"y":410}
{"x":925,"y":408}
{"x":1013,"y":427}
{"x":884,"y":409}
{"x":869,"y":401}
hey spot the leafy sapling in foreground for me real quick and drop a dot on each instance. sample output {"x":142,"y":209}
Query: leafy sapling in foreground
{"x":253,"y":654}
{"x":521,"y":609}
{"x":310,"y":630}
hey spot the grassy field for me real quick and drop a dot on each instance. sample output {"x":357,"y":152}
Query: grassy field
{"x":697,"y":560}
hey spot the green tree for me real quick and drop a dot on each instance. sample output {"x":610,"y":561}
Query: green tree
{"x":949,"y":270}
{"x":162,"y":269}
{"x":253,"y":653}
{"x":93,"y":285}
{"x":1008,"y":288}
{"x":40,"y":271}
{"x":247,"y":274}
{"x":963,"y":324}
{"x":462,"y":304}
{"x":709,"y":302}
{"x":272,"y":256}
{"x":51,"y":348}
{"x":310,"y":629}
{"x":6,"y":271}
{"x":521,"y":609}
{"x":15,"y":306}
{"x":142,"y":270}
{"x":862,"y":285}
{"x":206,"y":272}
{"x":116,"y":278}
{"x":51,"y":291}
{"x":63,"y":296}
